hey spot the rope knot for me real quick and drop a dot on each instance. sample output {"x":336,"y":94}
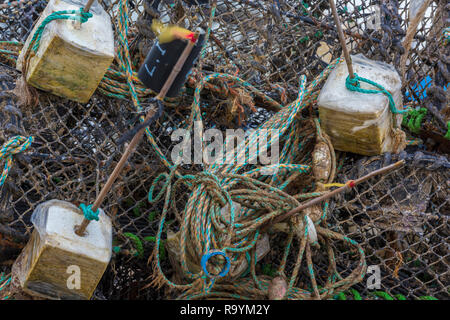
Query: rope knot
{"x":13,"y":146}
{"x":88,"y":213}
{"x":353,"y":81}
{"x":354,"y":85}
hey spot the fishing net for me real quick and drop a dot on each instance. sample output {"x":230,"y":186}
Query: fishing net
{"x":399,"y":219}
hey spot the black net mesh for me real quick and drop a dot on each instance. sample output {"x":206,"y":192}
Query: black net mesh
{"x":400,"y":219}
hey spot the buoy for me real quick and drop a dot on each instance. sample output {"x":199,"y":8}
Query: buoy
{"x":360,"y":106}
{"x":161,"y":58}
{"x":65,"y":58}
{"x":67,"y":254}
{"x":58,"y":264}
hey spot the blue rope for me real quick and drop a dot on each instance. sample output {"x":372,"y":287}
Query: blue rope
{"x":88,"y":213}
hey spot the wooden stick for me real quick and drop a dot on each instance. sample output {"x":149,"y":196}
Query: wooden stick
{"x":80,"y":230}
{"x":341,"y":35}
{"x":88,"y":5}
{"x":330,"y":194}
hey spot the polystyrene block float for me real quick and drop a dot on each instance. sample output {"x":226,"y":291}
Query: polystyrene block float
{"x":70,"y":62}
{"x":359,"y":122}
{"x":58,"y":264}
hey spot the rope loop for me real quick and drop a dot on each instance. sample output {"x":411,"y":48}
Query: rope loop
{"x":88,"y":213}
{"x":355,"y":85}
{"x":13,"y":146}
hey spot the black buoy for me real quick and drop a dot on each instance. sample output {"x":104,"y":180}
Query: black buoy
{"x":160,"y":61}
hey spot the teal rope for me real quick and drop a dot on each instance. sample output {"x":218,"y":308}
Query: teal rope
{"x":76,"y":15}
{"x":354,"y":85}
{"x":13,"y":146}
{"x":88,"y":213}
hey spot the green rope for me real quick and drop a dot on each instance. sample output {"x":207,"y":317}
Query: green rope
{"x":354,"y":85}
{"x":447,"y":135}
{"x":378,"y":294}
{"x":137,"y":243}
{"x":413,"y":119}
{"x":76,"y":15}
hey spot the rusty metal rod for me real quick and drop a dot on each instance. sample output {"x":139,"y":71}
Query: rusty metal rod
{"x":341,"y":35}
{"x":80,"y":229}
{"x":330,"y":194}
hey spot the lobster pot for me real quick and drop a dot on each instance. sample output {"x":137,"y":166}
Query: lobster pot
{"x":71,"y":60}
{"x":160,"y":61}
{"x":359,"y":122}
{"x":58,"y":264}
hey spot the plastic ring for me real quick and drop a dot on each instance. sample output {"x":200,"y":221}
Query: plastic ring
{"x":211,"y":254}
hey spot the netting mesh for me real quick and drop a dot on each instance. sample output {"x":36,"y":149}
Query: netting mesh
{"x":400,"y":219}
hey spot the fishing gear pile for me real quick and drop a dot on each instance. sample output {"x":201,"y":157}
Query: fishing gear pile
{"x":209,"y":229}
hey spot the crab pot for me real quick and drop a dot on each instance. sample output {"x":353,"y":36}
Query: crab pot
{"x":160,"y":61}
{"x":70,"y":61}
{"x":58,"y":264}
{"x":359,"y":122}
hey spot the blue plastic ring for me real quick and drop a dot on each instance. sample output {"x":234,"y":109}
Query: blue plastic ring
{"x":211,"y":254}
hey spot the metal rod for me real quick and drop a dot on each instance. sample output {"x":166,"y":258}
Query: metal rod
{"x":330,"y":194}
{"x":88,"y":5}
{"x":341,"y":35}
{"x":80,"y":229}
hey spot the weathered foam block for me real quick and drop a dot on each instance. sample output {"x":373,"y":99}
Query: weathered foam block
{"x":358,"y":122}
{"x":71,"y":62}
{"x":54,"y":251}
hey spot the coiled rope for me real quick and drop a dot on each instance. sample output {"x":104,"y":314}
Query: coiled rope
{"x":205,"y":229}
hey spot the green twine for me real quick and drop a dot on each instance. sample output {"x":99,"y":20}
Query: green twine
{"x":140,"y":247}
{"x":137,"y":243}
{"x":354,"y":85}
{"x":415,"y":119}
{"x":88,"y":213}
{"x":447,"y":135}
{"x":428,"y":298}
{"x":76,"y":15}
{"x":382,"y":294}
{"x":378,"y":294}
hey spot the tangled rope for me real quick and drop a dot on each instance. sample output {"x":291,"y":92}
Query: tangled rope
{"x":216,"y":239}
{"x":13,"y":146}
